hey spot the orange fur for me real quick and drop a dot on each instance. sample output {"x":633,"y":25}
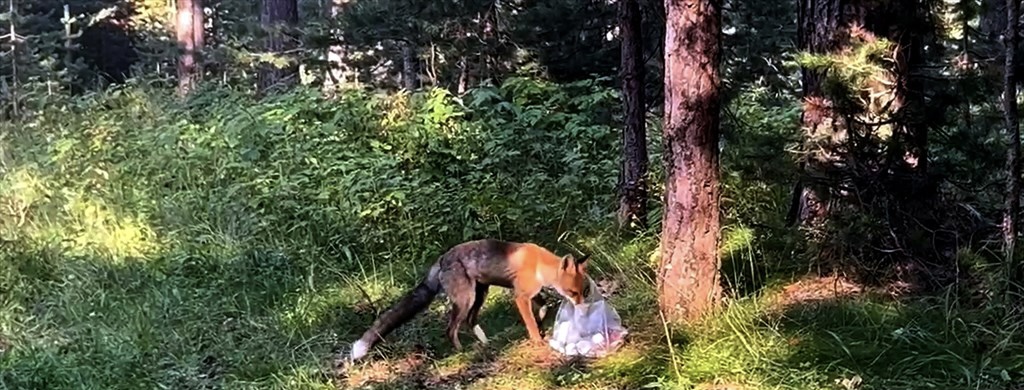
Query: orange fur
{"x":533,"y":268}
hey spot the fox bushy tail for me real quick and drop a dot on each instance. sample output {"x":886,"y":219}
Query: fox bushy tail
{"x":411,"y":304}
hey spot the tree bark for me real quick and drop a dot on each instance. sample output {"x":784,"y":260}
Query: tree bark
{"x":1013,"y":136}
{"x":410,"y":67}
{"x":189,"y":33}
{"x":278,"y":17}
{"x":198,"y":35}
{"x":825,"y":27}
{"x":818,"y":24}
{"x":688,"y":278}
{"x":633,"y":180}
{"x":909,"y":154}
{"x":992,"y":19}
{"x":335,"y":75}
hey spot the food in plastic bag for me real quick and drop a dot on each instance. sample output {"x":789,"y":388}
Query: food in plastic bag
{"x":591,"y":329}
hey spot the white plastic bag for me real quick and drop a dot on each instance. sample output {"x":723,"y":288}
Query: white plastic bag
{"x":592,"y":329}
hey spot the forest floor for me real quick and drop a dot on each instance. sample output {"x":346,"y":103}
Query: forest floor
{"x":258,"y":323}
{"x":810,"y":333}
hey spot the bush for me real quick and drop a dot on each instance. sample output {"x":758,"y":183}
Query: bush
{"x":361,"y":174}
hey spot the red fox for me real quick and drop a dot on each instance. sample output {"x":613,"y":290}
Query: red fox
{"x":467,"y":271}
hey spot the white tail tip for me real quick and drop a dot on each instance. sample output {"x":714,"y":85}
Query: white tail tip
{"x":359,"y":349}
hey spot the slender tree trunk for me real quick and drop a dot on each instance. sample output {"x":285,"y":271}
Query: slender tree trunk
{"x":688,"y":278}
{"x":1013,"y":137}
{"x":633,"y":182}
{"x":965,"y":25}
{"x":278,"y":17}
{"x":463,"y":75}
{"x":410,"y":67}
{"x":198,"y":35}
{"x":335,"y":75}
{"x":186,"y":31}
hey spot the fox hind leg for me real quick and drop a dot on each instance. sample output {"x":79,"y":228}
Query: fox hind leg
{"x":461,"y":292}
{"x":474,"y":312}
{"x":461,"y":305}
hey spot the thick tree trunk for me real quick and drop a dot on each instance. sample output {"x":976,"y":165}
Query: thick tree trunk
{"x":1013,"y":137}
{"x":818,"y":22}
{"x":688,"y":278}
{"x":278,"y":17}
{"x":633,"y":182}
{"x":909,"y":155}
{"x":189,"y":32}
{"x":825,"y":27}
{"x":335,"y":75}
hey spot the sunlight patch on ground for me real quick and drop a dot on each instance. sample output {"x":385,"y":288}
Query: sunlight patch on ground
{"x":97,"y":228}
{"x":812,"y":289}
{"x":85,"y":225}
{"x":20,"y":190}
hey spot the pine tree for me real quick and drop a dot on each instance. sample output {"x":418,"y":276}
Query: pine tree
{"x":688,"y":279}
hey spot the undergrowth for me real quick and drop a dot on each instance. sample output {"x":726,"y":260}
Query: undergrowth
{"x":224,"y":242}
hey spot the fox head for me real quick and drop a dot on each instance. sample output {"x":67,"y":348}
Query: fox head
{"x":572,"y":278}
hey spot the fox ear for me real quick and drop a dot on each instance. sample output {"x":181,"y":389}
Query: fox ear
{"x":582,"y":260}
{"x":566,"y":260}
{"x":581,"y":263}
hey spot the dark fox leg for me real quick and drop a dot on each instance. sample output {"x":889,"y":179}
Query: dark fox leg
{"x":461,"y":292}
{"x":474,"y":312}
{"x":542,"y":309}
{"x":462,"y":303}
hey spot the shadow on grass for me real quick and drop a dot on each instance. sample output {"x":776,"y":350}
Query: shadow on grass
{"x":183,"y":321}
{"x":879,"y":343}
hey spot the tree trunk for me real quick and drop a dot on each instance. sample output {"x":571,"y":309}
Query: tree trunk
{"x":826,"y":27}
{"x":335,"y":75}
{"x":909,"y":154}
{"x":1013,"y":137}
{"x":633,"y":182}
{"x":992,"y":19}
{"x":277,"y":18}
{"x":189,"y":32}
{"x":818,"y":23}
{"x":688,"y":278}
{"x":198,"y":35}
{"x":410,"y":67}
{"x":992,"y":25}
{"x":965,"y":7}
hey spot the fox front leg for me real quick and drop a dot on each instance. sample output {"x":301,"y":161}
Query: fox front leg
{"x":524,"y":303}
